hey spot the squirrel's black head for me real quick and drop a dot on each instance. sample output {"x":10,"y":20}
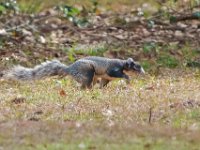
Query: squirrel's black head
{"x":132,"y":66}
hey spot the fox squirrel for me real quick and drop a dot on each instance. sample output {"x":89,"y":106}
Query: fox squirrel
{"x":85,"y":70}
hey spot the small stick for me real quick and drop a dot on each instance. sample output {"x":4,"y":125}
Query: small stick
{"x":150,"y":114}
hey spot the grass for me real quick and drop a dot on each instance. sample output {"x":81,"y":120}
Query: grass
{"x":38,"y":5}
{"x":56,"y":114}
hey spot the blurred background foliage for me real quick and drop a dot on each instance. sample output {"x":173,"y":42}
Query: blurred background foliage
{"x":33,"y":6}
{"x":114,"y":14}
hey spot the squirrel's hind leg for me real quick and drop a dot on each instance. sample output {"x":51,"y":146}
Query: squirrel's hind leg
{"x":83,"y":72}
{"x":88,"y":79}
{"x":104,"y":82}
{"x":95,"y":80}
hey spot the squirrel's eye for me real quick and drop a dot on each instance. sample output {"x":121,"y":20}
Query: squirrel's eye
{"x":128,"y":65}
{"x":137,"y":67}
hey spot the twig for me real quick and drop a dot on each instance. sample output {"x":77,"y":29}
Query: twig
{"x":150,"y":114}
{"x":186,"y":17}
{"x":30,"y":22}
{"x":173,"y":28}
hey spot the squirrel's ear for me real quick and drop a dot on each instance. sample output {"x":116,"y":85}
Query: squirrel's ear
{"x":130,"y":60}
{"x":129,"y":63}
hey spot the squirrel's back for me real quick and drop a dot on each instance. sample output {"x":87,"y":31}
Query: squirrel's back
{"x":102,"y":64}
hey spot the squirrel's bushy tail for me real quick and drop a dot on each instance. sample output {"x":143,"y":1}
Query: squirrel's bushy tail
{"x":46,"y":69}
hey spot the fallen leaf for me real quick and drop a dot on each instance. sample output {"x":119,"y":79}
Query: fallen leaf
{"x":63,"y":93}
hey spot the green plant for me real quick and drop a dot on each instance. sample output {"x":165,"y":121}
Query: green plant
{"x":146,"y":65}
{"x":151,"y":47}
{"x":91,"y":50}
{"x":73,"y":15}
{"x":71,"y":55}
{"x":8,"y":6}
{"x":167,"y":61}
{"x":95,"y":4}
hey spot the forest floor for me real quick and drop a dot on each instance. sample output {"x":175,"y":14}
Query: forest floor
{"x":157,"y":113}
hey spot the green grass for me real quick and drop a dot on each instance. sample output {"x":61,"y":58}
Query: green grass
{"x":85,"y":50}
{"x":56,"y":114}
{"x":38,"y":5}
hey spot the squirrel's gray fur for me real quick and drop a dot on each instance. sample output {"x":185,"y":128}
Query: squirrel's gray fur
{"x":85,"y":71}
